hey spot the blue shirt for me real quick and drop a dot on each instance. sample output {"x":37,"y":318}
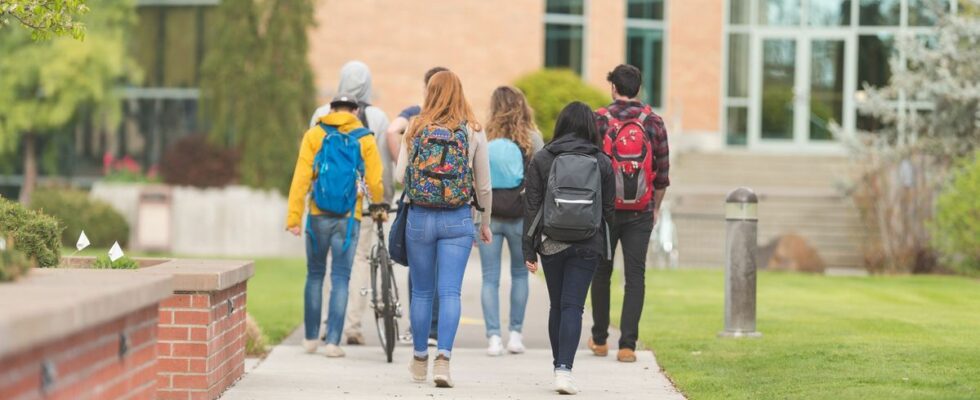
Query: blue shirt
{"x":410,"y":111}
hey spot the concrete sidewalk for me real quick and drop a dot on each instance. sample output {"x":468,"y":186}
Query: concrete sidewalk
{"x":288,"y":373}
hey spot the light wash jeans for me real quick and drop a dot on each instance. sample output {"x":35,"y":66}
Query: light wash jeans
{"x":326,"y":235}
{"x":490,"y":260}
{"x":439,"y":243}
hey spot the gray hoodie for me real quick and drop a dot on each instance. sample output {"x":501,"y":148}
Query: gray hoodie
{"x":355,"y":78}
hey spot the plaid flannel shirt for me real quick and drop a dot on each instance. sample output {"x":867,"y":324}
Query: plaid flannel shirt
{"x":654,"y":126}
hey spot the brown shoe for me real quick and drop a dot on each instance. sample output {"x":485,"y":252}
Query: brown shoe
{"x":626,"y":355}
{"x":600,"y":350}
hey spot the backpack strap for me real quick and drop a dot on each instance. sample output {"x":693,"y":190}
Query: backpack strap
{"x":362,"y":107}
{"x":358,"y":133}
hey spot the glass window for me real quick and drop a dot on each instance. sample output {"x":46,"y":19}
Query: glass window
{"x":874,"y":52}
{"x":739,"y":12}
{"x":644,"y":50}
{"x":880,"y":12}
{"x":169,"y":44}
{"x":779,"y":12}
{"x":778,"y":80}
{"x":574,"y":7}
{"x":563,"y":46}
{"x":737,"y":125}
{"x":645,"y":9}
{"x":738,"y":65}
{"x":830,"y":12}
{"x":826,"y":87}
{"x":926,"y":12}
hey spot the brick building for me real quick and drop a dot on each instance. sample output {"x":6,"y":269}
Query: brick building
{"x":749,"y":88}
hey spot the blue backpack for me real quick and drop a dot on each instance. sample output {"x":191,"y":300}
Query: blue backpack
{"x":506,"y":164}
{"x":337,"y":172}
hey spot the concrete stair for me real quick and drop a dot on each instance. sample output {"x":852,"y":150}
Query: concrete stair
{"x":797,"y":195}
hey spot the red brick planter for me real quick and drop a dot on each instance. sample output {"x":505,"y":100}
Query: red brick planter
{"x":201,"y":343}
{"x":76,"y":334}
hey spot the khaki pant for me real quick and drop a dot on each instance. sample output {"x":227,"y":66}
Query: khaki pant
{"x":360,"y":278}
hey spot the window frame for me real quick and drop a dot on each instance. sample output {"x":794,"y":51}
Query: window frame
{"x":803,"y":31}
{"x":651,"y":25}
{"x":569,"y":20}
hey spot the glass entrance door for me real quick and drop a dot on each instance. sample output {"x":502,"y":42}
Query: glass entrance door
{"x":799,"y":91}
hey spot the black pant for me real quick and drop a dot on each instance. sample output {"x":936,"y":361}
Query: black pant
{"x":632,"y":229}
{"x":568,"y":275}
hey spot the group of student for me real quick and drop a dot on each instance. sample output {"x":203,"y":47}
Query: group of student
{"x":598,"y":182}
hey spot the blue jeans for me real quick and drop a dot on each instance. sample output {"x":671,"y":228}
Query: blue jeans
{"x":568,"y":275}
{"x":490,"y":260}
{"x":439,"y":243}
{"x":325,"y":235}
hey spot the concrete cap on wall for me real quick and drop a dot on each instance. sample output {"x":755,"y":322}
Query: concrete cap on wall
{"x":52,"y":303}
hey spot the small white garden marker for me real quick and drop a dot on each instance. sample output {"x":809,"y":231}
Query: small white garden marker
{"x":82,"y":242}
{"x":115,"y":252}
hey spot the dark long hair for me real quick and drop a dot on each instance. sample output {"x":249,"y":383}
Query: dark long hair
{"x":577,"y":119}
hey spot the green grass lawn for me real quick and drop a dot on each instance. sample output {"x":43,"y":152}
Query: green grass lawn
{"x":908,"y":337}
{"x":275,"y":296}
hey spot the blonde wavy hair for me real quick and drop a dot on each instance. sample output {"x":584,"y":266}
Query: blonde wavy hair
{"x":445,"y":105}
{"x":511,"y":118}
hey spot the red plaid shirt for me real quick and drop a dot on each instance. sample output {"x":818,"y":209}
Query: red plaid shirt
{"x":654,"y":126}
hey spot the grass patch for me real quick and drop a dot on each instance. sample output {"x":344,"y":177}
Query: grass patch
{"x":275,"y":296}
{"x":905,"y":337}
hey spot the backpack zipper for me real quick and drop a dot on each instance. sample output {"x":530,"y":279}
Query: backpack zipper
{"x":559,"y":202}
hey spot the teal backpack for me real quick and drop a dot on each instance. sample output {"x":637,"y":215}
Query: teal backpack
{"x":338,"y":169}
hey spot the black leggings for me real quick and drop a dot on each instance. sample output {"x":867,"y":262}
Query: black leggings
{"x":568,"y":274}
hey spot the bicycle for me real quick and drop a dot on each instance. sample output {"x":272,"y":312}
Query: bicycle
{"x":384,"y":290}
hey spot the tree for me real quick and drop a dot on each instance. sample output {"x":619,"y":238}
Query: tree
{"x":264,"y":109}
{"x":45,"y":18}
{"x":930,"y":116}
{"x":46,"y":86}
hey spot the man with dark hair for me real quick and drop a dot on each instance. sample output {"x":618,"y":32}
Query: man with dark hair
{"x":394,"y":136}
{"x":636,"y":141}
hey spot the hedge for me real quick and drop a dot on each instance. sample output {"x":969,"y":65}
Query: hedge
{"x":76,"y":211}
{"x":35,"y":234}
{"x":956,"y":227}
{"x":548,"y":91}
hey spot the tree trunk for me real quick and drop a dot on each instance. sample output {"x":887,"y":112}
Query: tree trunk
{"x":30,"y":168}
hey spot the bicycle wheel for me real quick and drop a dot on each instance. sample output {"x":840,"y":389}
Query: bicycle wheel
{"x":388,"y":313}
{"x":377,"y":303}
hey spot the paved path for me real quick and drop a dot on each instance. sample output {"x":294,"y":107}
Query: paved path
{"x":288,"y":373}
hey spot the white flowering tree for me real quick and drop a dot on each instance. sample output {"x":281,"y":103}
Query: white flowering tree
{"x":929,"y":115}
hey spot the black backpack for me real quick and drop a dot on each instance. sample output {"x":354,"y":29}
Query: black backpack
{"x":572,"y":208}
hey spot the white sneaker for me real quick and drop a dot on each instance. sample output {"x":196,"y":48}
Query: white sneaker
{"x":309,"y":346}
{"x":334,"y":351}
{"x":564,"y":383}
{"x":496,"y":346}
{"x":514,"y":343}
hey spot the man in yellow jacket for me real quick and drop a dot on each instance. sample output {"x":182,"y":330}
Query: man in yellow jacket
{"x":328,"y":232}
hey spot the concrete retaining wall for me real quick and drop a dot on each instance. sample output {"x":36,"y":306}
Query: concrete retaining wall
{"x":231,"y":221}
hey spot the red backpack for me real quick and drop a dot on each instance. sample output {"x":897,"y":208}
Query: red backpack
{"x":631,"y":150}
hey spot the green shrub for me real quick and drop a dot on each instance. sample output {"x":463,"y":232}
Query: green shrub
{"x":13,"y":264}
{"x":35,"y":234}
{"x":548,"y":91}
{"x":103,"y":262}
{"x":956,"y":227}
{"x":76,"y":211}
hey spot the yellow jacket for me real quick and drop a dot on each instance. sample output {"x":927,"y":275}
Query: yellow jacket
{"x":303,"y":174}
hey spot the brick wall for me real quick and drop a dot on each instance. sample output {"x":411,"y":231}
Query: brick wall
{"x":89,"y":364}
{"x":201,"y":343}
